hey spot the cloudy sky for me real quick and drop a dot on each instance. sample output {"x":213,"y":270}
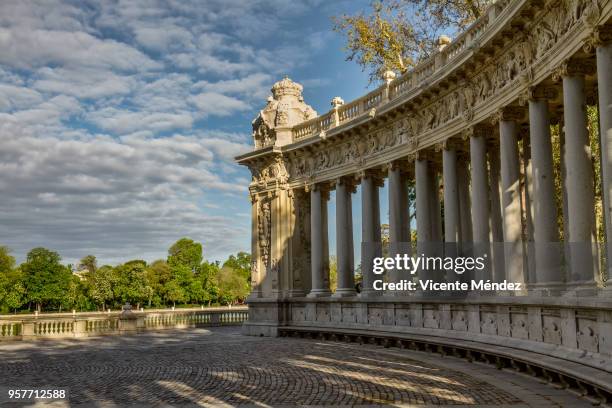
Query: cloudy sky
{"x":119,"y":120}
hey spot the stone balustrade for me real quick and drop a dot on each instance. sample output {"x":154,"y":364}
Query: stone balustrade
{"x":95,"y":324}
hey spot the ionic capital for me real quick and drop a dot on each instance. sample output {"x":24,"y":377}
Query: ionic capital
{"x":509,"y":113}
{"x":374,"y":173}
{"x":325,"y":193}
{"x":476,"y":131}
{"x":451,"y":143}
{"x":533,"y":93}
{"x":422,"y":155}
{"x":403,"y":165}
{"x":572,"y":68}
{"x":347,"y":181}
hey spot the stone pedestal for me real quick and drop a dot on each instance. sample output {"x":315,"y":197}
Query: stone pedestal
{"x":128,"y":321}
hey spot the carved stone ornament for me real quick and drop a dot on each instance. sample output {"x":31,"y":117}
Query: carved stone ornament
{"x":600,"y":36}
{"x":264,"y":227}
{"x":285,"y":108}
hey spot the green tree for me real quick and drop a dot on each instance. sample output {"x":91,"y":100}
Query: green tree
{"x":185,"y":252}
{"x":7,"y":262}
{"x":131,"y":282}
{"x":175,"y":292}
{"x":9,"y":276}
{"x":100,"y":285}
{"x":45,"y":278}
{"x":241,"y":262}
{"x":158,"y":274}
{"x":333,"y":273}
{"x":232,"y":286}
{"x":208,"y":280}
{"x":88,"y":263}
{"x":15,"y":297}
{"x":74,"y":296}
{"x":398,"y":34}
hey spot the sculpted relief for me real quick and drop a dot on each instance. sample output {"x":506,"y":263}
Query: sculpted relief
{"x":264,"y":225}
{"x":270,"y":171}
{"x":514,"y":63}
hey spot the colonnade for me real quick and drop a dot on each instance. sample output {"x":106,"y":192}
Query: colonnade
{"x":493,"y":197}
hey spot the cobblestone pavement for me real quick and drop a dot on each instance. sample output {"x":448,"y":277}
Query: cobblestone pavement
{"x":220,"y":366}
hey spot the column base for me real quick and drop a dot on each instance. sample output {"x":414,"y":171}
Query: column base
{"x":254,"y":295}
{"x":317,"y":293}
{"x":581,"y":289}
{"x":296,"y":293}
{"x":344,"y":292}
{"x":371,"y":293}
{"x":606,"y":291}
{"x":546,"y":289}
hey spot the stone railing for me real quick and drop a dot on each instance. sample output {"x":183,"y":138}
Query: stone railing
{"x":95,"y":324}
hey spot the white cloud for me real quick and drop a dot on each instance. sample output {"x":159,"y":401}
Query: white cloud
{"x":122,"y":121}
{"x":170,"y":37}
{"x":213,"y":103}
{"x":27,"y":49}
{"x":82,"y":83}
{"x":17,"y":97}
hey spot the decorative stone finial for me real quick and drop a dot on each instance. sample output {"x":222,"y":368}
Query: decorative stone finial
{"x":388,"y":76}
{"x":443,"y":41}
{"x":337,"y":102}
{"x":286,"y":87}
{"x":285,"y":108}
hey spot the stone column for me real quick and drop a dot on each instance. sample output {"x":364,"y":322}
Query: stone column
{"x":579,"y":180}
{"x":435,"y":210}
{"x":527,"y":207}
{"x":428,"y":215}
{"x":546,"y":232}
{"x":603,"y":41}
{"x":465,"y":206}
{"x":422,"y":175}
{"x":255,"y":262}
{"x":480,"y":187}
{"x":451,"y":197}
{"x":344,"y":238}
{"x":511,"y":196}
{"x":496,"y":220}
{"x":480,"y":197}
{"x":318,"y":230}
{"x":370,"y":226}
{"x":398,"y":212}
{"x":452,"y":228}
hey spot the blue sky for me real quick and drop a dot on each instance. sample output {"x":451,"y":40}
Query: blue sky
{"x":119,"y":120}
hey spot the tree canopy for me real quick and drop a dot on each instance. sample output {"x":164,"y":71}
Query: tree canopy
{"x":398,"y":34}
{"x":42,"y":281}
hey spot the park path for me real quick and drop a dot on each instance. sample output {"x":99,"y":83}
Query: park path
{"x":219,"y":366}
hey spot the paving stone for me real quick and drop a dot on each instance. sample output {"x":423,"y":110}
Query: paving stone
{"x":220,"y":366}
